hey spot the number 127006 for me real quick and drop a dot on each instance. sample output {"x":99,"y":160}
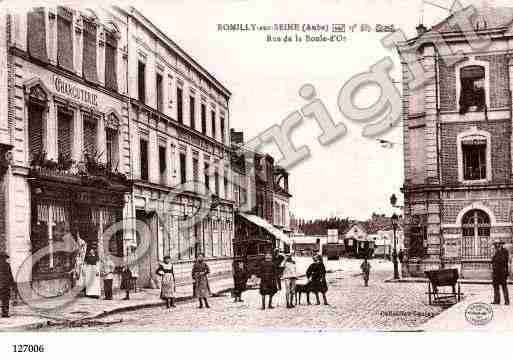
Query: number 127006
{"x":28,"y":348}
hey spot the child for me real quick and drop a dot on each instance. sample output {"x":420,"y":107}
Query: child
{"x":290,"y":277}
{"x":366,"y":271}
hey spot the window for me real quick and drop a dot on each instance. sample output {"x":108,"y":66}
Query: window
{"x":213,"y":120}
{"x":111,"y":45}
{"x":418,"y":237}
{"x":195,"y":174}
{"x":474,"y":160}
{"x":36,"y":34}
{"x":141,"y":78}
{"x":179,"y":105}
{"x":222,"y":130}
{"x":162,"y":164}
{"x":207,"y":176}
{"x":35,"y":129}
{"x":192,"y":112}
{"x":143,"y":148}
{"x":90,"y":135}
{"x":216,"y":183}
{"x":160,"y":98}
{"x":64,"y":134}
{"x":111,"y":148}
{"x":472,"y":95}
{"x":225,"y":186}
{"x":65,"y":39}
{"x":476,"y":235}
{"x":183,"y":170}
{"x":203,"y":119}
{"x":89,"y":70}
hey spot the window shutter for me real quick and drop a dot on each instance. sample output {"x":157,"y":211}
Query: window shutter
{"x":90,"y":131}
{"x":65,"y":39}
{"x":35,"y":130}
{"x":64,"y":133}
{"x":89,"y":52}
{"x":36,"y":34}
{"x":111,"y":45}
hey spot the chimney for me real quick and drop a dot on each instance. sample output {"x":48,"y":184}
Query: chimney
{"x":421,"y":29}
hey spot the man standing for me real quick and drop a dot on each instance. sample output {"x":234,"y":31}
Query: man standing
{"x":6,"y":283}
{"x":500,"y":272}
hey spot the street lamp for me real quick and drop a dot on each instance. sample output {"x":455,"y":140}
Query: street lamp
{"x":394,"y":220}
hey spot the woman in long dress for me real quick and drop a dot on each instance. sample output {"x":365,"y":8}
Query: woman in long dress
{"x":200,"y":272}
{"x":78,"y":272}
{"x":168,"y":286}
{"x":92,"y":275}
{"x":268,"y":274}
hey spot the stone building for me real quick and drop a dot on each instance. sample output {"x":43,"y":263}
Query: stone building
{"x":109,"y":119}
{"x":457,"y":142}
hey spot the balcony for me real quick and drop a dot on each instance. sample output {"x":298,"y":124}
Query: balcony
{"x":90,"y":172}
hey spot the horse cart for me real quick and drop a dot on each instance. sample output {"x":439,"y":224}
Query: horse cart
{"x":443,"y":278}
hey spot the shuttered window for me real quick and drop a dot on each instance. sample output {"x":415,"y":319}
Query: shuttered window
{"x":35,"y":129}
{"x":143,"y":147}
{"x":89,"y":52}
{"x":141,"y":79}
{"x":111,"y":45}
{"x":203,"y":119}
{"x":159,"y":90}
{"x":192,"y":112}
{"x":36,"y":34}
{"x":65,"y":39}
{"x":213,"y":119}
{"x":111,"y":147}
{"x":90,"y":135}
{"x":183,"y":173}
{"x":223,"y":139}
{"x":64,"y":134}
{"x":179,"y":105}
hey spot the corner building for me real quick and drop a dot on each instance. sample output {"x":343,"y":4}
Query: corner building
{"x":103,"y":117}
{"x":458,"y":144}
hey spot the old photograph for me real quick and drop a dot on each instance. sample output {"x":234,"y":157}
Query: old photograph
{"x":244,"y":166}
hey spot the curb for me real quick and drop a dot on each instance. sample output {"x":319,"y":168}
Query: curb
{"x":99,"y":315}
{"x":425,"y":280}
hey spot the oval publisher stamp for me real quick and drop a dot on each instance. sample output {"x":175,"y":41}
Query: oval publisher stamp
{"x":479,"y":314}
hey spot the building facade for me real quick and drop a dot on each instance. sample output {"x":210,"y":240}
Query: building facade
{"x":109,"y":120}
{"x":457,"y":143}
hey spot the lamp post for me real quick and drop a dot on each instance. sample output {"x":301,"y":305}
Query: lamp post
{"x":394,"y":220}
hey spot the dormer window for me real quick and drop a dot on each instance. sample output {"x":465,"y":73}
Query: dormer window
{"x":472,"y":94}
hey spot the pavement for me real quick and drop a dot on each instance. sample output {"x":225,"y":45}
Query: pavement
{"x":474,"y":313}
{"x":83,"y":309}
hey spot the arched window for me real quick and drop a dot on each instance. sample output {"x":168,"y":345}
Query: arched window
{"x":476,"y":235}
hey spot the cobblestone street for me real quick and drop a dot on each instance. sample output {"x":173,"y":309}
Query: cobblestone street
{"x":381,"y":306}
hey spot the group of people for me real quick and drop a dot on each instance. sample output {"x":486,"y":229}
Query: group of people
{"x":276,"y":268}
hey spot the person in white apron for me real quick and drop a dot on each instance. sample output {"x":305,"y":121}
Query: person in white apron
{"x":92,"y":275}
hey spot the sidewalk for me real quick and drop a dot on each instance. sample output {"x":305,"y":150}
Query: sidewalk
{"x":24,"y":318}
{"x":454,"y":318}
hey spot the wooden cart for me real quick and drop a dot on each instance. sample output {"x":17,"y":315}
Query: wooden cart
{"x":443,"y":278}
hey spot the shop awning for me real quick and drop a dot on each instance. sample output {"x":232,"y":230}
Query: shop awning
{"x":278,"y":234}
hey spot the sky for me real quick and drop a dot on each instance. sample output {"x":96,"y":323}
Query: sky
{"x":352,"y":177}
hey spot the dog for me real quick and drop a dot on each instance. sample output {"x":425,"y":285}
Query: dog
{"x":300,"y":289}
